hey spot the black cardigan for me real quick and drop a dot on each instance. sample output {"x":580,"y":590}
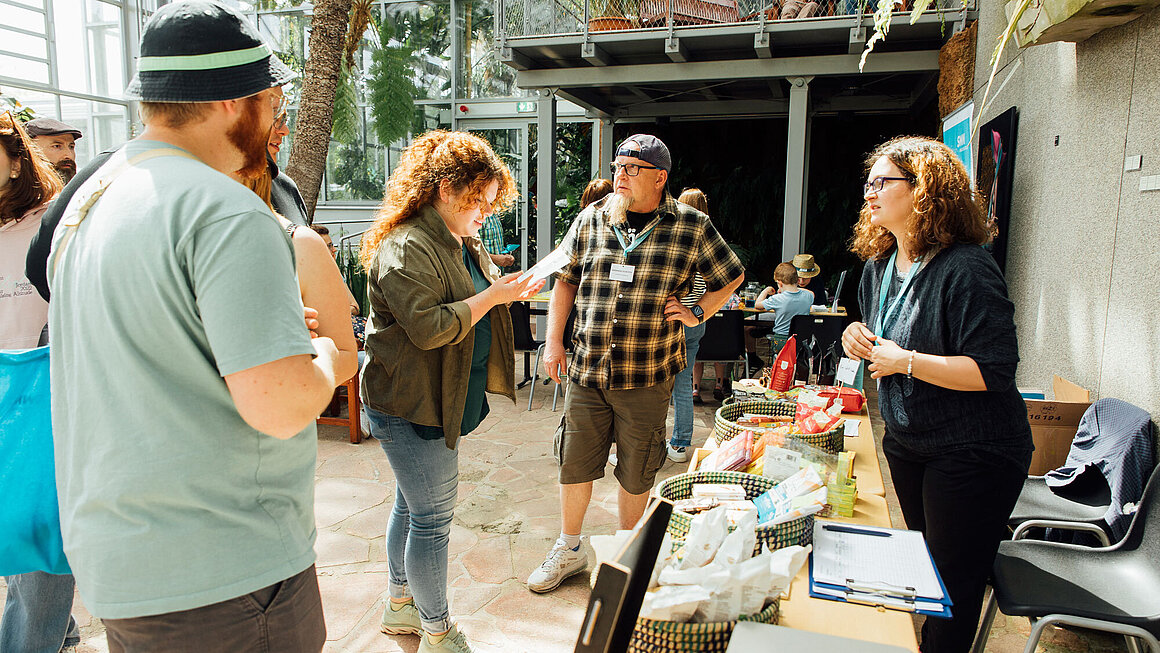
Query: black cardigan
{"x":957,"y":305}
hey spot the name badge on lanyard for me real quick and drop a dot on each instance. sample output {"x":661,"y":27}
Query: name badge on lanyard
{"x":622,"y":272}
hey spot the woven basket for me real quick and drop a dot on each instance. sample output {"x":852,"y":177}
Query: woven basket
{"x":724,"y":428}
{"x":798,"y":531}
{"x":651,"y":636}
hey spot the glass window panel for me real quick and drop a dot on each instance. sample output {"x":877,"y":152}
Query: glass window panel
{"x":418,"y":37}
{"x":34,"y":46}
{"x":71,"y":52}
{"x":43,"y":105}
{"x":354,"y":172}
{"x":26,"y":19}
{"x":103,"y":126}
{"x":32,"y":4}
{"x":88,"y":47}
{"x":18,"y":68}
{"x":480,"y":73}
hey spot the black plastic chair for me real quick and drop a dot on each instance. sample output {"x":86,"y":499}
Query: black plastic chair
{"x":1114,"y":589}
{"x":522,"y":334}
{"x":724,"y":340}
{"x":1085,"y":503}
{"x":1076,"y":509}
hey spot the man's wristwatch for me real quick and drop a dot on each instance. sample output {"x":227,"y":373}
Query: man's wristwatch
{"x":699,"y":313}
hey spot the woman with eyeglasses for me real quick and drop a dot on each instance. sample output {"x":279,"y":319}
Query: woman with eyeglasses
{"x":439,"y":337}
{"x":319,"y":280}
{"x":939,"y":338}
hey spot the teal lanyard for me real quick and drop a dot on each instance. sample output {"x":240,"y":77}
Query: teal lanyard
{"x":628,"y":247}
{"x":885,"y":321}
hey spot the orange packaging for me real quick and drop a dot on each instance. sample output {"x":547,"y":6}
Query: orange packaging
{"x":850,"y":398}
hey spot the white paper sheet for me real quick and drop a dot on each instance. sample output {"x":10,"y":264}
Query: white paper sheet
{"x":547,"y":266}
{"x":899,"y":560}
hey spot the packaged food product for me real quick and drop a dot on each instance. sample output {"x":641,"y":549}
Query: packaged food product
{"x":719,"y":491}
{"x":784,"y":366}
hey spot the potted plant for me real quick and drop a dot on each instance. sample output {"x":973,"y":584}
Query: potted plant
{"x":612,"y":14}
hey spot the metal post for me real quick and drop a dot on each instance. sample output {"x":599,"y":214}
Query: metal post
{"x":606,"y":145}
{"x":545,"y":171}
{"x":793,"y":220}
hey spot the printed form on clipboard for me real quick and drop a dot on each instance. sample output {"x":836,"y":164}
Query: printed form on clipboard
{"x":876,"y":566}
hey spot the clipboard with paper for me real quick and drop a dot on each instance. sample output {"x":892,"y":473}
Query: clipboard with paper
{"x":880,"y":567}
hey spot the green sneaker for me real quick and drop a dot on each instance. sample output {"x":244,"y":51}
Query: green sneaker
{"x":452,"y":641}
{"x":403,"y":621}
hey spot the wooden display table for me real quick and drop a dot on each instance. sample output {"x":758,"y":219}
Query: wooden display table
{"x":803,"y":612}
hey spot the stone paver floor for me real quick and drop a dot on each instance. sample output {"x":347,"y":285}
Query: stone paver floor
{"x":505,"y":522}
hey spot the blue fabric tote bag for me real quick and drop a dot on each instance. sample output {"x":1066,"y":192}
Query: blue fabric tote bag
{"x":29,"y":515}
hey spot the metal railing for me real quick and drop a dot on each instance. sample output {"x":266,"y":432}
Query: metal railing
{"x":552,"y":17}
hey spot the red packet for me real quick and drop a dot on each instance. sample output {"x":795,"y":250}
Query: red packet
{"x":781,"y":379}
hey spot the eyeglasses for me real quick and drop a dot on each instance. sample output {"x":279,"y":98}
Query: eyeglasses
{"x":280,"y":119}
{"x":630,"y":169}
{"x":876,"y":184}
{"x":279,"y":103}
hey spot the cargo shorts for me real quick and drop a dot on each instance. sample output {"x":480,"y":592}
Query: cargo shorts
{"x":594,"y":419}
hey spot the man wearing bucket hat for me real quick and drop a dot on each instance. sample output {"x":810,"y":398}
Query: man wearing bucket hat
{"x":186,"y":480}
{"x":632,"y":256}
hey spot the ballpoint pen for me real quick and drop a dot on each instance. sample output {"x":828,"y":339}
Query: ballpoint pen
{"x":838,"y":528}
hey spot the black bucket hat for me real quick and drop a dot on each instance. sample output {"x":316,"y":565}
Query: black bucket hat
{"x":200,"y":51}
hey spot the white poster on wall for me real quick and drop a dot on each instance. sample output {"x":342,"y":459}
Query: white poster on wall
{"x":957,"y":135}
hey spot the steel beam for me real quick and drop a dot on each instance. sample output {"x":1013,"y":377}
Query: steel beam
{"x":761,"y":45}
{"x":545,"y":171}
{"x":793,"y":219}
{"x":515,"y":59}
{"x":675,"y":52}
{"x":703,"y":71}
{"x":705,"y":108}
{"x":595,"y":55}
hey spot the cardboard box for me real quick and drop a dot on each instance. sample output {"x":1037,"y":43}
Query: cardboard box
{"x":1054,"y":423}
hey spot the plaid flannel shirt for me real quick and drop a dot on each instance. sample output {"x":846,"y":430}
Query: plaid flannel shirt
{"x":491,"y":233}
{"x":621,"y":336}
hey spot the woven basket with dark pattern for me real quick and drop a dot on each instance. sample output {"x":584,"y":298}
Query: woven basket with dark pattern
{"x":799,"y":531}
{"x":724,"y":426}
{"x":651,"y":636}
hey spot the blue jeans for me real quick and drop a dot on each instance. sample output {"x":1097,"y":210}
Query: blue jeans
{"x":37,"y":614}
{"x":683,"y":390}
{"x":419,"y":528}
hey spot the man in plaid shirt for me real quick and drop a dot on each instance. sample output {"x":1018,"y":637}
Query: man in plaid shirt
{"x":633,"y":256}
{"x":491,"y":233}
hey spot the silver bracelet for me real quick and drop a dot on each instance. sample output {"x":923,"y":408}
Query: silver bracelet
{"x":910,"y":365}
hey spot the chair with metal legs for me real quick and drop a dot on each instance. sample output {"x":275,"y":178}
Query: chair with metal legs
{"x":1113,"y":588}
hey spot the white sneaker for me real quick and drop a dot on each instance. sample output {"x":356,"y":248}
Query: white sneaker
{"x":562,"y":562}
{"x":676,"y":454}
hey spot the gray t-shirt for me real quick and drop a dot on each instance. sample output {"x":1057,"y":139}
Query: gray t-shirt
{"x":169,"y":501}
{"x":785,"y":306}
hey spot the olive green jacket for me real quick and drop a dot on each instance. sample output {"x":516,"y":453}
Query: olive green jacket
{"x":419,"y":337}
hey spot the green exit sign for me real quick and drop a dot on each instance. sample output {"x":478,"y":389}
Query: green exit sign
{"x":525,"y":107}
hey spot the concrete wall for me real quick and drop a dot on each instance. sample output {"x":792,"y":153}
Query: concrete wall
{"x":1083,"y":261}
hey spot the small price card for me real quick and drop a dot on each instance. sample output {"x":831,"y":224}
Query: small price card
{"x":847,"y":371}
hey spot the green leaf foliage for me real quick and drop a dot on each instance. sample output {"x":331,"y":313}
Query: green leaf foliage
{"x":391,"y":86}
{"x":345,"y":127}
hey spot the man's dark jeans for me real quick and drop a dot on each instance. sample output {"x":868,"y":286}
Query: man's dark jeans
{"x":285,"y":617}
